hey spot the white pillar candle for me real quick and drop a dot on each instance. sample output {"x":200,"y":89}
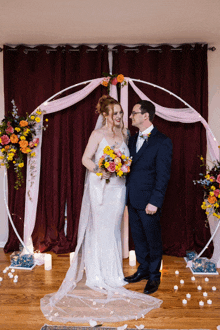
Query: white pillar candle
{"x":205,"y":294}
{"x":184,"y":301}
{"x":48,"y":262}
{"x":201,"y":303}
{"x":181,"y":281}
{"x":161,"y":265}
{"x":175,"y":287}
{"x":132,"y":258}
{"x":199,"y":287}
{"x":177,"y":272}
{"x":209,"y":301}
{"x":213,"y":288}
{"x":71,"y":257}
{"x":188,"y":295}
{"x":206,"y":279}
{"x":193,"y":278}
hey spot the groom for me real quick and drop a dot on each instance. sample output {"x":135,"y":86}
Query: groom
{"x":146,"y":187}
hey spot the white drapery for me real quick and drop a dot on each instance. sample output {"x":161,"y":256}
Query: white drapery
{"x":184,"y":115}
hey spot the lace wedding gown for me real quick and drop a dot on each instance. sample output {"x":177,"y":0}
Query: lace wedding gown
{"x":93,"y":286}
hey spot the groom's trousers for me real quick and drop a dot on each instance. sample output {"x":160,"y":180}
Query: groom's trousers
{"x":146,"y":233}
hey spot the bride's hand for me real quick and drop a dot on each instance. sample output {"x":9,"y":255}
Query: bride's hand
{"x":105,"y":175}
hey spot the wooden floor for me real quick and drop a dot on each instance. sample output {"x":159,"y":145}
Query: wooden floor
{"x":20,"y":302}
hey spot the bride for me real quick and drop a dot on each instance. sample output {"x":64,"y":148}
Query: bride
{"x":93,"y":286}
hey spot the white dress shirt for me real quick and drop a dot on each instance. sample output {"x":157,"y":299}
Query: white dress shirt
{"x":140,"y":140}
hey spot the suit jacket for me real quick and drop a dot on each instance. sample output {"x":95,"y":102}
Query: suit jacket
{"x":150,"y":170}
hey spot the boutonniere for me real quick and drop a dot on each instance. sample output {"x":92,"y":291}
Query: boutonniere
{"x":145,"y":136}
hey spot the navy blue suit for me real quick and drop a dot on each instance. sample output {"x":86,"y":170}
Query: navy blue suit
{"x":147,"y":183}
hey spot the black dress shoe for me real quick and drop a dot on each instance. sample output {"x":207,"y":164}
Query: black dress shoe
{"x":136,"y":277}
{"x":151,"y":287}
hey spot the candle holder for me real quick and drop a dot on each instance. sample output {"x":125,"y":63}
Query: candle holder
{"x":48,"y":262}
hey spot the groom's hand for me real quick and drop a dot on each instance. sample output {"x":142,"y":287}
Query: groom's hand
{"x":150,"y":209}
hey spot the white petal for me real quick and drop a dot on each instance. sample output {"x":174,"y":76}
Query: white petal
{"x":189,"y":264}
{"x":140,"y":326}
{"x":92,"y":323}
{"x":123,"y":327}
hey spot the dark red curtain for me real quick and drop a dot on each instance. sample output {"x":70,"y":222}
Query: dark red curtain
{"x":32,"y":75}
{"x":183,"y":71}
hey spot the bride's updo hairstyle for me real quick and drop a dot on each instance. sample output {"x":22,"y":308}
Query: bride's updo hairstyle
{"x":105,"y":103}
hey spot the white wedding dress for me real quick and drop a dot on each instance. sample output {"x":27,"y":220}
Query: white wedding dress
{"x":93,"y":286}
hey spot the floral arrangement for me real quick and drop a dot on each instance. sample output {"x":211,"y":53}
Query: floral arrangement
{"x":113,"y":79}
{"x":17,"y":139}
{"x":210,"y":183}
{"x":114,"y":161}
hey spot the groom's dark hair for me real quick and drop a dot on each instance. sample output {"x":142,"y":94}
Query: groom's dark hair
{"x":147,"y":106}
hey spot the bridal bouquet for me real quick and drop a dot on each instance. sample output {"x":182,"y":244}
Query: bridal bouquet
{"x":210,"y":183}
{"x":17,"y":139}
{"x":114,"y":161}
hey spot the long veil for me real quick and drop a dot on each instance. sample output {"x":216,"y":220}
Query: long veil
{"x":76,"y":302}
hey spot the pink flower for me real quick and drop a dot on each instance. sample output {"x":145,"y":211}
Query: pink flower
{"x":118,"y":152}
{"x":8,"y":123}
{"x":10,"y":129}
{"x":106,"y":79}
{"x":114,"y":81}
{"x":124,"y":169}
{"x":36,"y":140}
{"x":111,"y":167}
{"x":31,"y":144}
{"x":218,"y":178}
{"x":5,"y":139}
{"x":216,"y":192}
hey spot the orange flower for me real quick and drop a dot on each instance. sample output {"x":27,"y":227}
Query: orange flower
{"x":105,"y":83}
{"x":212,"y":199}
{"x":25,"y":150}
{"x":23,"y":123}
{"x":14,"y":138}
{"x":23,"y":144}
{"x":100,"y":161}
{"x":120,"y":78}
{"x":128,"y":169}
{"x":6,"y":148}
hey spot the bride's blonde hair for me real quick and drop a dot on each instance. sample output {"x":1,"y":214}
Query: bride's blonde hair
{"x":105,"y":103}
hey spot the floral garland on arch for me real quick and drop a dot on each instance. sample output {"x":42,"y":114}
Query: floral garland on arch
{"x":17,"y":139}
{"x":210,"y":183}
{"x":113,"y":79}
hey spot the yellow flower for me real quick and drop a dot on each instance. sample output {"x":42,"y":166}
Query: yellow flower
{"x":22,"y":138}
{"x":2,"y":164}
{"x":14,"y":161}
{"x":11,"y":154}
{"x":123,"y":157}
{"x":39,"y":112}
{"x":10,"y":158}
{"x":0,"y":140}
{"x":120,"y":165}
{"x":211,"y":180}
{"x":106,"y":164}
{"x":35,"y":144}
{"x":33,"y":154}
{"x":106,"y":149}
{"x":212,"y":187}
{"x":13,"y":150}
{"x":37,"y":119}
{"x":215,"y":215}
{"x":99,"y":174}
{"x":3,"y":149}
{"x":113,"y":156}
{"x":17,"y":129}
{"x":46,"y":119}
{"x":32,"y":117}
{"x":216,"y":205}
{"x":211,"y":193}
{"x":201,"y":158}
{"x":116,"y":167}
{"x":203,"y":207}
{"x":120,"y":173}
{"x":21,"y":165}
{"x":209,"y":206}
{"x":207,"y":176}
{"x":1,"y":157}
{"x":207,"y":213}
{"x":219,"y":196}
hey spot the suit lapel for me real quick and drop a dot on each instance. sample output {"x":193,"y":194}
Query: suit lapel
{"x":138,"y":154}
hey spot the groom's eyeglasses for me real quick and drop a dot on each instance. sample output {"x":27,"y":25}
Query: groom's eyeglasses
{"x":133,"y":113}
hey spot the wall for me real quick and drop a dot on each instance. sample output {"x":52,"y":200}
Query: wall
{"x":214,"y":120}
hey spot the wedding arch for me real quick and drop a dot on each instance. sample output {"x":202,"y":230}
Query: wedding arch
{"x":183,"y":115}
